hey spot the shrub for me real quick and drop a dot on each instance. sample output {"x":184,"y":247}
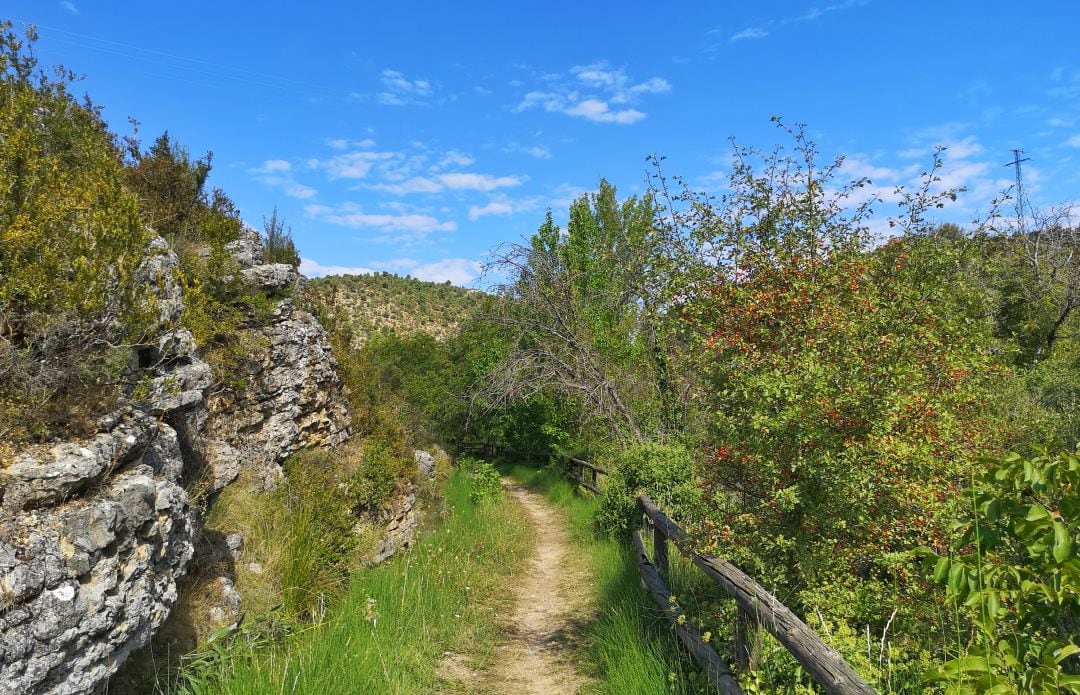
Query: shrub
{"x":278,"y":246}
{"x":71,"y":243}
{"x":663,"y":471}
{"x":848,"y":387}
{"x":1014,"y":576}
{"x":483,"y":481}
{"x":384,"y":463}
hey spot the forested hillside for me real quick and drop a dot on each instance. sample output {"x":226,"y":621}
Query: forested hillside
{"x":384,"y":302}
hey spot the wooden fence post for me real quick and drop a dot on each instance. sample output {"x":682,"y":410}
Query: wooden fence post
{"x":747,"y":641}
{"x":660,"y":555}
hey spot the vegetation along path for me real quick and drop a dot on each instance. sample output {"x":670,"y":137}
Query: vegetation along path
{"x":551,"y":609}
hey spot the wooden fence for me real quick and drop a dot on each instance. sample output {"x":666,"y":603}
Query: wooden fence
{"x":757,"y":608}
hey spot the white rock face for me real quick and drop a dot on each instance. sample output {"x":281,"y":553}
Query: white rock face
{"x":93,"y":538}
{"x":293,"y":400}
{"x":95,"y":534}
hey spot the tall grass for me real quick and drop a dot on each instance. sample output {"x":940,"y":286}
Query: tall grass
{"x":631,"y":649}
{"x":398,"y":619}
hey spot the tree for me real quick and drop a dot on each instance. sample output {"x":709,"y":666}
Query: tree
{"x":278,"y":246}
{"x":1038,"y":280}
{"x":585,"y":319}
{"x":848,"y":386}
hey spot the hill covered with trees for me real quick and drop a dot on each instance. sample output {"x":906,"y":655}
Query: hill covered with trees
{"x":384,"y":302}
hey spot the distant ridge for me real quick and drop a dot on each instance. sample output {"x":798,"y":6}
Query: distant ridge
{"x":384,"y":302}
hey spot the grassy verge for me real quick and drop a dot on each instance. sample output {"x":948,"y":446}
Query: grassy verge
{"x":631,"y":649}
{"x":391,"y":631}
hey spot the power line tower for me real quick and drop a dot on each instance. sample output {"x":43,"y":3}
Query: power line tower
{"x":1019,"y":206}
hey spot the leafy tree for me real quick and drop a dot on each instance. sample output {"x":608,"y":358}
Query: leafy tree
{"x":170,"y":186}
{"x":583,"y":311}
{"x":1013,"y":573}
{"x":848,"y":386}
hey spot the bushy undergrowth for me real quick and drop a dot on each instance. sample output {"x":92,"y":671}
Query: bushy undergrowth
{"x":665,"y":472}
{"x":391,"y":630}
{"x":485,"y":479}
{"x":71,"y":244}
{"x":1012,"y":579}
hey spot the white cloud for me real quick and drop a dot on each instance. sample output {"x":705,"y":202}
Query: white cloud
{"x":417,"y":184}
{"x":653,"y":85}
{"x":400,"y":90}
{"x":477,"y":182}
{"x":821,"y":11}
{"x":400,"y":228}
{"x":962,"y":149}
{"x":69,"y":6}
{"x":1074,"y":141}
{"x":537,"y":151}
{"x":549,"y":101}
{"x":299,"y":190}
{"x":589,"y":91}
{"x":273,"y":166}
{"x":458,"y":271}
{"x":313,"y":269}
{"x":457,"y":181}
{"x":454,"y":158}
{"x":277,"y":173}
{"x":351,"y":165}
{"x":749,"y":33}
{"x":565,"y":194}
{"x":596,"y":110}
{"x":343,"y":144}
{"x":858,"y":168}
{"x":493,"y":208}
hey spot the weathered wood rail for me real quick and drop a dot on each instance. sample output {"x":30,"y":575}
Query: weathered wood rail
{"x":757,"y":608}
{"x":581,"y":472}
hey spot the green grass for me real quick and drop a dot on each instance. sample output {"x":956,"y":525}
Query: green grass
{"x":631,"y":649}
{"x":391,"y":631}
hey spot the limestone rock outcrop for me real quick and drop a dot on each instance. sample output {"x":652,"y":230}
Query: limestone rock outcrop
{"x":400,"y":520}
{"x":293,"y":397}
{"x":95,"y":534}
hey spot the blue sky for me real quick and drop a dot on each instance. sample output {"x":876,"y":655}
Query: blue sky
{"x":415,"y":136}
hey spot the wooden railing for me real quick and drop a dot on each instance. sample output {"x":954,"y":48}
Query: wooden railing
{"x":581,"y":472}
{"x":757,"y":608}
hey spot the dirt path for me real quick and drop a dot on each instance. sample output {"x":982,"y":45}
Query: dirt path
{"x":550,"y":612}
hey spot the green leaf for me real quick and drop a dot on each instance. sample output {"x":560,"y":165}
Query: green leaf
{"x":1065,"y":652}
{"x":956,"y":578}
{"x":1062,"y":542}
{"x":967,"y":664}
{"x":941,"y":570}
{"x":1036,"y":512}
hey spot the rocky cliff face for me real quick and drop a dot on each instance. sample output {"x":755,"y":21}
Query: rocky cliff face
{"x":293,"y":398}
{"x":95,"y":534}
